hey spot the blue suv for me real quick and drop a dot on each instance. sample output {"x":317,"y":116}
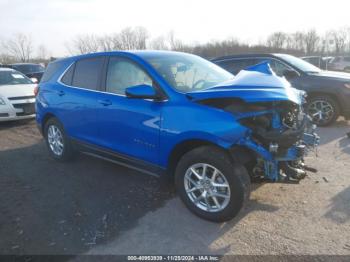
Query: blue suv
{"x":178,"y":114}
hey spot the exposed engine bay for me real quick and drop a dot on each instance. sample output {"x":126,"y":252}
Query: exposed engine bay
{"x":280,"y":135}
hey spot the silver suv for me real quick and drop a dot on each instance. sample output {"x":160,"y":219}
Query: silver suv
{"x":340,"y":63}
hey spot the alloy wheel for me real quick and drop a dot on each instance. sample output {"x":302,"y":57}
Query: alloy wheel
{"x":55,"y":140}
{"x":207,"y":187}
{"x":321,"y":111}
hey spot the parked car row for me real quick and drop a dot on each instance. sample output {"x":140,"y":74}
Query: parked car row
{"x":319,"y":61}
{"x":337,"y":63}
{"x":29,"y":69}
{"x":340,"y":63}
{"x":17,"y":98}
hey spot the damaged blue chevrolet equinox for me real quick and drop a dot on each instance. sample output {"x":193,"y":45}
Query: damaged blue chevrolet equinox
{"x":163,"y":112}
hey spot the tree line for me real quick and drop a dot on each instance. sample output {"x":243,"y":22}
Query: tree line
{"x":20,"y":47}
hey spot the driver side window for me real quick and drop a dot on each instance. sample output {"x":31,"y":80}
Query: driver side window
{"x":279,"y":68}
{"x":122,"y":73}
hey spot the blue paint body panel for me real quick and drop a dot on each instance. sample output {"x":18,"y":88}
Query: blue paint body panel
{"x":150,"y":130}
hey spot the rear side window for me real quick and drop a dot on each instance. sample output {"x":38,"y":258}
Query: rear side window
{"x":87,"y":73}
{"x":68,"y":76}
{"x":51,"y":69}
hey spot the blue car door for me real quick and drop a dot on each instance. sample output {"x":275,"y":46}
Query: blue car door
{"x":78,"y":95}
{"x":128,"y":126}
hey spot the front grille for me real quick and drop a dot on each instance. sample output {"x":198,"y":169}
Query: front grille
{"x":4,"y":114}
{"x":28,"y":109}
{"x":21,"y":97}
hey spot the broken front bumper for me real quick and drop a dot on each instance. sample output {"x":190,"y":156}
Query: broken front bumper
{"x":286,"y":163}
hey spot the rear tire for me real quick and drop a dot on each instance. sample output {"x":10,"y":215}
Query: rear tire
{"x":58,"y":144}
{"x":230,"y":187}
{"x":324,"y":110}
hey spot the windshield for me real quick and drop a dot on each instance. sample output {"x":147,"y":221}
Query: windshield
{"x":186,"y":72}
{"x":13,"y":78}
{"x":29,"y":68}
{"x":300,"y":64}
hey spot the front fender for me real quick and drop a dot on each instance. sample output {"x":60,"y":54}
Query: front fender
{"x":182,"y":123}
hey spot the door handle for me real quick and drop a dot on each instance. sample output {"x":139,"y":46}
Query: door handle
{"x":105,"y":102}
{"x":61,"y":93}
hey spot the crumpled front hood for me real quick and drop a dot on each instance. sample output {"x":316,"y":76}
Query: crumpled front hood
{"x":254,"y":84}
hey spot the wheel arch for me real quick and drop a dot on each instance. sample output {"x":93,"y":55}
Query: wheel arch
{"x":182,"y":148}
{"x":236,"y":153}
{"x":45,"y":119}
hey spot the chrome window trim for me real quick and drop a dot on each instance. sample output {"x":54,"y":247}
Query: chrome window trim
{"x":59,"y":80}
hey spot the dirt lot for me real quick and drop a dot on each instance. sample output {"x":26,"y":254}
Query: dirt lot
{"x":95,"y":207}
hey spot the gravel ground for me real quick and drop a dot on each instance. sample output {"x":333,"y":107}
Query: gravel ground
{"x":89,"y":206}
{"x":48,"y":207}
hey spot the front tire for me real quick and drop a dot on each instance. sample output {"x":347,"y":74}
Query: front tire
{"x":57,"y":142}
{"x":323,"y":110}
{"x":211,"y":185}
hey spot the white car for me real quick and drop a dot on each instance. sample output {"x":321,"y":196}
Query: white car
{"x":17,"y":99}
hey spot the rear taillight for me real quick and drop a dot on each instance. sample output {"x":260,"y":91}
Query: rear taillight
{"x":36,"y":90}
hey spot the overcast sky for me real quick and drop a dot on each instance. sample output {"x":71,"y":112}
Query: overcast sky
{"x":54,"y":22}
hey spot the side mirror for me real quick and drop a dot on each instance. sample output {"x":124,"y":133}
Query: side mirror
{"x":290,"y":74}
{"x":34,"y":80}
{"x":142,"y":92}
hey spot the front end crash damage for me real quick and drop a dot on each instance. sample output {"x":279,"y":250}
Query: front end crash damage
{"x":280,"y":137}
{"x":279,"y":133}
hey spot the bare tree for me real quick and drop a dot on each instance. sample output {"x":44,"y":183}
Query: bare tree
{"x":131,"y":38}
{"x":42,"y":53}
{"x":83,"y":44}
{"x":141,"y":36}
{"x":158,"y":43}
{"x":298,"y":41}
{"x":127,"y":39}
{"x":6,"y":59}
{"x":347,"y":30}
{"x":339,"y":38}
{"x":175,"y":44}
{"x":325,"y":46}
{"x":20,"y":47}
{"x":105,"y":43}
{"x":277,"y":40}
{"x":311,"y":40}
{"x":289,"y":41}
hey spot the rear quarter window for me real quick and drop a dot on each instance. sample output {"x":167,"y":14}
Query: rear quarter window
{"x":51,"y":69}
{"x":68,"y":75}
